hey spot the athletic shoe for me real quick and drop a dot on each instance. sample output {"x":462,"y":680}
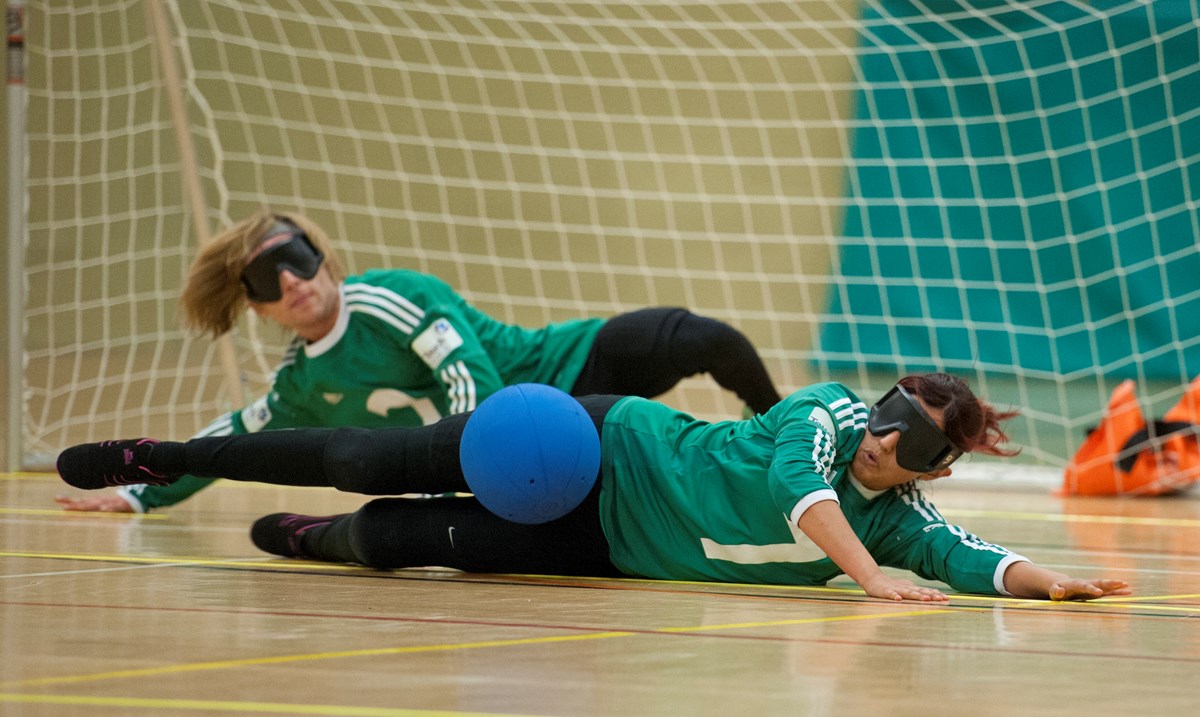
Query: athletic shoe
{"x":111,"y":463}
{"x":280,"y":533}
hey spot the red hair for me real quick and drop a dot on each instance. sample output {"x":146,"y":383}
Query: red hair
{"x":970,"y":423}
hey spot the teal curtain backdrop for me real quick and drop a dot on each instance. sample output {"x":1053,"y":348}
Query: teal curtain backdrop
{"x":1024,"y":191}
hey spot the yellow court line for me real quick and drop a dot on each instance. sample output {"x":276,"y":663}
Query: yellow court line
{"x":1191,"y":611}
{"x":239,"y":707}
{"x":1060,"y":518}
{"x":855,"y":591}
{"x":182,"y":560}
{"x":852,"y":591}
{"x":282,"y":659}
{"x":1107,"y":604}
{"x":73,"y":514}
{"x":804,"y":621}
{"x":291,"y":565}
{"x":1144,"y":598}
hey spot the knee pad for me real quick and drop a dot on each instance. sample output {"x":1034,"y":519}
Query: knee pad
{"x":699,"y":343}
{"x":348,"y":459}
{"x":639,"y":334}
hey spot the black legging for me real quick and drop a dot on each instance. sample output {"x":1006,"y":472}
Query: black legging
{"x":458,"y":532}
{"x":455,"y":532}
{"x":646,"y":352}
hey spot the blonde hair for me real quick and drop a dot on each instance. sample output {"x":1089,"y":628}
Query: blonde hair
{"x":214,"y":297}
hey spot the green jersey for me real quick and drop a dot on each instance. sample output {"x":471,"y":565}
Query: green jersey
{"x":683,"y":499}
{"x":406,"y":350}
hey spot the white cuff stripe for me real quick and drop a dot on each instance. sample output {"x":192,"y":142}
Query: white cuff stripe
{"x":810,"y":500}
{"x":461,"y":387}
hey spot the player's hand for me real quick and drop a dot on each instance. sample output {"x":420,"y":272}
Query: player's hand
{"x":888,"y":588}
{"x":94,"y":504}
{"x":1087,"y":589}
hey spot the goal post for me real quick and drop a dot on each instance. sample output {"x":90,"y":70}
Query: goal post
{"x":12,"y":258}
{"x":1007,"y":191}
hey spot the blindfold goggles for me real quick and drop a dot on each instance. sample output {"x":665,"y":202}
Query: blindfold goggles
{"x":923,"y":447}
{"x":297,"y":255}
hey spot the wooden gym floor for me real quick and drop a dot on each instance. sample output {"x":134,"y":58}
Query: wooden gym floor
{"x":176,"y":613}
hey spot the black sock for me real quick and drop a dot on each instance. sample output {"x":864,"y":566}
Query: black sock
{"x":330,"y":542}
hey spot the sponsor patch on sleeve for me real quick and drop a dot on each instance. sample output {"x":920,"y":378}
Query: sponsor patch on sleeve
{"x":435,"y":343}
{"x":256,"y":415}
{"x":821,"y":416}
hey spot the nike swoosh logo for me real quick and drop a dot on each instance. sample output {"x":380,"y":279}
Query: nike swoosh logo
{"x":451,"y":532}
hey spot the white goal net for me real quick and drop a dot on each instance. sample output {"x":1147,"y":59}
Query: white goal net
{"x":1005,"y":191}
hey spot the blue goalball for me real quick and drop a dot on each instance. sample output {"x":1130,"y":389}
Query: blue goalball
{"x":530,"y":453}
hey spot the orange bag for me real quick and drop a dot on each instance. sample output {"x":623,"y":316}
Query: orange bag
{"x":1126,"y":456}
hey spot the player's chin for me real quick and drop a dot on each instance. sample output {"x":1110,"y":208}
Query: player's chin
{"x":866,"y":468}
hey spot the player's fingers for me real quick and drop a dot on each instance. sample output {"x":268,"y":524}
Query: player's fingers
{"x":67,"y":502}
{"x":1079,"y":590}
{"x":924,"y":594}
{"x":1101,"y":588}
{"x":106,"y":504}
{"x":111,"y":504}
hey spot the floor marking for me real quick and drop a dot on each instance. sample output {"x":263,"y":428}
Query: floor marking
{"x":805,"y":621}
{"x":75,"y":514}
{"x":286,"y":566}
{"x":1061,"y":518}
{"x":239,"y":707}
{"x":185,"y":561}
{"x":283,"y":659}
{"x":850,"y":590}
{"x":1143,"y":598}
{"x":250,"y":662}
{"x":61,"y":573}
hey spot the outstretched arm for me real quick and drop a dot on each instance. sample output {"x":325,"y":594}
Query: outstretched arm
{"x":137,"y":498}
{"x":107,"y":503}
{"x":1024,"y":579}
{"x":826,"y":526}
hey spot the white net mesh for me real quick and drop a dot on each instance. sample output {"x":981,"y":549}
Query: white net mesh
{"x":865,"y":189}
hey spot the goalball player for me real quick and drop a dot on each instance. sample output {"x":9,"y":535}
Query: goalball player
{"x":401,"y":348}
{"x":816,"y":487}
